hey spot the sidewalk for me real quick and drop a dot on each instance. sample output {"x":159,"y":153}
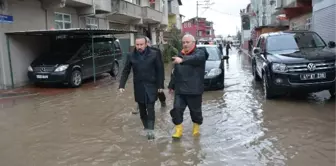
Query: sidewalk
{"x":246,"y":52}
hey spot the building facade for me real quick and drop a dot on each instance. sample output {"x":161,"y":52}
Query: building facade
{"x":174,"y":15}
{"x":205,"y":28}
{"x":323,"y":20}
{"x":298,"y":12}
{"x":146,"y":16}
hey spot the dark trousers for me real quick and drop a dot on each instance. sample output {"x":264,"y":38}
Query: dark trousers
{"x":162,"y":97}
{"x":194,"y":103}
{"x":147,"y":115}
{"x":227,"y":52}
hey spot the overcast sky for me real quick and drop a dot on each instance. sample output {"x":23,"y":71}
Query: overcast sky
{"x":224,"y":14}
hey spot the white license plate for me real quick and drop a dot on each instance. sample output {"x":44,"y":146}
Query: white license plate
{"x":42,"y":76}
{"x":313,"y":76}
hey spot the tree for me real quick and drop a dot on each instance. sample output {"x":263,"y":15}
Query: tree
{"x":173,"y":46}
{"x":238,"y":35}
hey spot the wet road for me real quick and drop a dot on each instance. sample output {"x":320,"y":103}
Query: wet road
{"x":95,"y":126}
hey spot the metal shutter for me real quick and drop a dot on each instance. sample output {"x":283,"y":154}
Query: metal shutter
{"x":324,"y":23}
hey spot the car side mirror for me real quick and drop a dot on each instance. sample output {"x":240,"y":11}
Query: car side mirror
{"x":331,"y":44}
{"x":256,"y":50}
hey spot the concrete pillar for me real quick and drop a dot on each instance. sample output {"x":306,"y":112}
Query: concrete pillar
{"x":153,"y":33}
{"x":132,"y":36}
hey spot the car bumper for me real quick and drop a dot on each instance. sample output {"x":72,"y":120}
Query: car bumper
{"x":50,"y":77}
{"x":291,"y":83}
{"x":214,"y":83}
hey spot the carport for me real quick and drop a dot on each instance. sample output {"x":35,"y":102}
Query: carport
{"x":38,"y":41}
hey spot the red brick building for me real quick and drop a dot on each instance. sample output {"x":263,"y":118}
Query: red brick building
{"x":205,"y":28}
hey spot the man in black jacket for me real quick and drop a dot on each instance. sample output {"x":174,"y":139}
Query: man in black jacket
{"x":161,"y":95}
{"x":187,"y":84}
{"x":147,"y":68}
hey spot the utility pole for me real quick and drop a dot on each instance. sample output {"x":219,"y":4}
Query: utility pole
{"x":206,"y":3}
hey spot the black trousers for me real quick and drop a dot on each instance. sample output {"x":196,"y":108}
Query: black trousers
{"x":162,"y":97}
{"x":147,"y":115}
{"x":227,"y":52}
{"x":194,"y":103}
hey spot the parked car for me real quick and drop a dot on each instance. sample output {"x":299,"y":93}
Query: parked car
{"x":70,"y":61}
{"x":294,"y":61}
{"x":214,"y":68}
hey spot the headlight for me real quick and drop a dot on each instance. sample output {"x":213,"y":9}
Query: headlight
{"x":214,"y":72}
{"x":61,"y":68}
{"x":30,"y":68}
{"x":279,"y":67}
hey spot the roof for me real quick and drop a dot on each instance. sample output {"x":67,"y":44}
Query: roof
{"x":72,"y":31}
{"x":286,"y":32}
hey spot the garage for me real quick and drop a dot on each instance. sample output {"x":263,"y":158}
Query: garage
{"x":26,"y":46}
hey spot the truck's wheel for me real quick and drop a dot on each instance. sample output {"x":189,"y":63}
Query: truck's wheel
{"x":115,"y":70}
{"x":267,"y":90}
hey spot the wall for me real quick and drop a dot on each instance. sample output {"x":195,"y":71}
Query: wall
{"x":299,"y":21}
{"x":320,"y":4}
{"x":24,"y":49}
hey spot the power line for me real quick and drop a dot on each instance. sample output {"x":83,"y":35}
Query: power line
{"x":223,"y":12}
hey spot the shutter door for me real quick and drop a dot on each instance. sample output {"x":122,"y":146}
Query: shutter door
{"x":324,"y":23}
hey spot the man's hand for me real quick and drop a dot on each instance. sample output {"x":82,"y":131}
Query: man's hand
{"x":177,"y":60}
{"x":121,"y":90}
{"x":160,"y":90}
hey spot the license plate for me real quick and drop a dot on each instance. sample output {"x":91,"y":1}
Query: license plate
{"x":313,"y":76}
{"x":42,"y":76}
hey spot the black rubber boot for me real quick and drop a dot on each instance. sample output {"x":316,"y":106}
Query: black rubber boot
{"x":144,"y":123}
{"x":150,"y":130}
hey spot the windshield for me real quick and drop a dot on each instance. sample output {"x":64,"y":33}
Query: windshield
{"x":294,"y":41}
{"x":66,"y":46}
{"x":213,"y":53}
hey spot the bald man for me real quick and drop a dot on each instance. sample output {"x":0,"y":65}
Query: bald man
{"x":187,"y":83}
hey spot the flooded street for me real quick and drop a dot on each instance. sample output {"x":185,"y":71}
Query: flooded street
{"x":85,"y":127}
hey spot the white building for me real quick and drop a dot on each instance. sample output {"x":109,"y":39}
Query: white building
{"x":23,"y":15}
{"x":324,"y":15}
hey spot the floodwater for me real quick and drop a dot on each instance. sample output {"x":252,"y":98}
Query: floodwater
{"x":85,"y":127}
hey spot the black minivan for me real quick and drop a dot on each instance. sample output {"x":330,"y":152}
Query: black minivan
{"x":71,"y":60}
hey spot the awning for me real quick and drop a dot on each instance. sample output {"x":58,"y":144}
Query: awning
{"x":72,"y":31}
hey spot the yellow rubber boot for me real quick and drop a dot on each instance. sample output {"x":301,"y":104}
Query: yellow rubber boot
{"x":196,"y":129}
{"x":178,"y":131}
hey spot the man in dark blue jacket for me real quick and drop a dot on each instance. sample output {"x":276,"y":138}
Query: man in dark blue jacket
{"x":147,"y":68}
{"x":187,"y":82}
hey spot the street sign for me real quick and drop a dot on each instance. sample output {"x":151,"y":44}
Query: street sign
{"x":6,"y":18}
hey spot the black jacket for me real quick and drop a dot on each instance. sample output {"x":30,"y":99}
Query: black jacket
{"x":188,"y":77}
{"x":161,"y":56}
{"x":147,"y":74}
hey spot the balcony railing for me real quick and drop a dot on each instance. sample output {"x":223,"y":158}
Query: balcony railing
{"x":150,"y":15}
{"x":127,"y":8}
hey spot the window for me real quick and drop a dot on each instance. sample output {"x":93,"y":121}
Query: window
{"x":91,"y":22}
{"x":294,"y":41}
{"x":189,"y":24}
{"x":214,"y":53}
{"x":62,"y":21}
{"x":138,"y":2}
{"x":208,"y":32}
{"x":199,"y":33}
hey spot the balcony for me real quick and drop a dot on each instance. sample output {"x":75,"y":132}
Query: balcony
{"x":151,"y":16}
{"x":125,"y":12}
{"x":79,"y":3}
{"x":103,"y":6}
{"x":293,"y":8}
